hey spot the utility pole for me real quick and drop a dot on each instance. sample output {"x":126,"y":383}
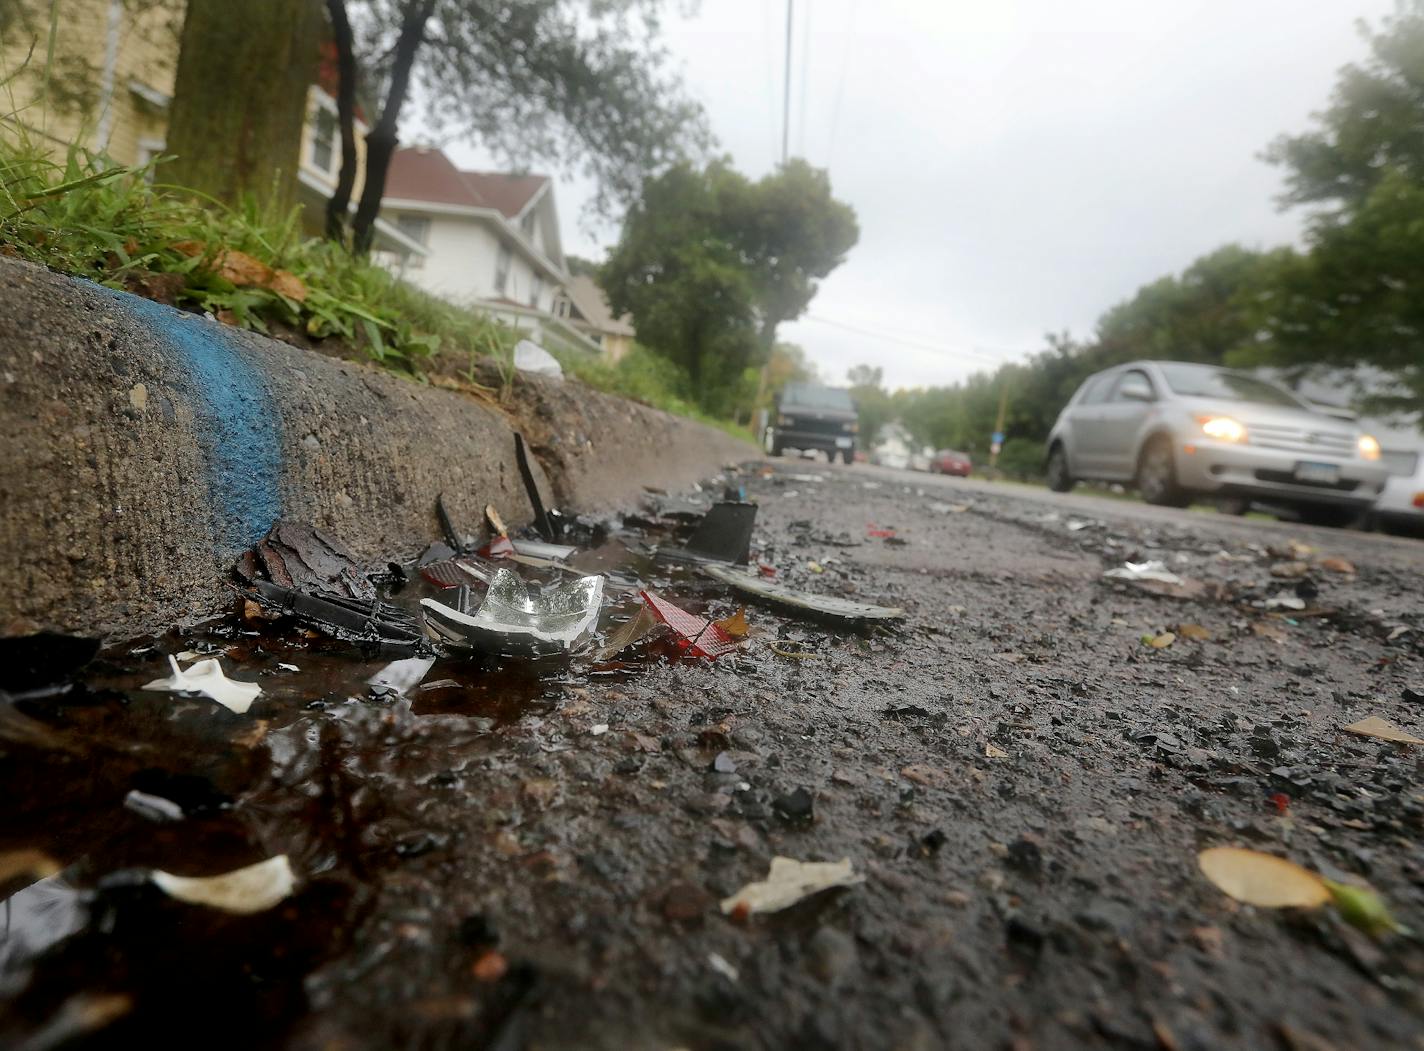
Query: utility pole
{"x":786,"y":99}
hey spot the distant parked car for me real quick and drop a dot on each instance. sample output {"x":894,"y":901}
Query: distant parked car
{"x":1181,"y":431}
{"x":947,"y":461}
{"x":1400,"y":508}
{"x":811,"y":417}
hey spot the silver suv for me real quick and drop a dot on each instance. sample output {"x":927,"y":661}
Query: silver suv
{"x":1181,"y":431}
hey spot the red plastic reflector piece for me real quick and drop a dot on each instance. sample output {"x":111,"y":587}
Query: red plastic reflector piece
{"x":1419,"y":499}
{"x":499,"y":547}
{"x":698,"y":636}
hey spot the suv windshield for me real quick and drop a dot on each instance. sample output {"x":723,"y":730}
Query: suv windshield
{"x":812,"y":397}
{"x":1203,"y":381}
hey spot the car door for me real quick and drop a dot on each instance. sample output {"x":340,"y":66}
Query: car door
{"x":1122,"y":416}
{"x":1084,"y":432}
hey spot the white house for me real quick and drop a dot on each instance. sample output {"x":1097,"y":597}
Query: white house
{"x":491,"y":240}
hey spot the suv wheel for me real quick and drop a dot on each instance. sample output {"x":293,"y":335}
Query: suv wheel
{"x":848,"y":455}
{"x":1059,"y":480}
{"x":1157,"y":475}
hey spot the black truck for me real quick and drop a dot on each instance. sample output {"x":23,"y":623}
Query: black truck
{"x":809,"y":416}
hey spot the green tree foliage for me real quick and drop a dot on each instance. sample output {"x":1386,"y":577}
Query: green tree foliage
{"x":709,"y":263}
{"x":563,"y":82}
{"x":239,"y":98}
{"x":874,"y":405}
{"x":1357,"y":294}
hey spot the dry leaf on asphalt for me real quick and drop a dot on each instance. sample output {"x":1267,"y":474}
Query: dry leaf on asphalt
{"x":1374,"y":726}
{"x":1290,"y":570}
{"x":736,"y":625}
{"x":1260,"y":879}
{"x":1159,"y":642}
{"x":1195,"y":632}
{"x":1268,"y":631}
{"x":790,"y":881}
{"x":255,"y":888}
{"x":1337,"y":565}
{"x":993,"y":751}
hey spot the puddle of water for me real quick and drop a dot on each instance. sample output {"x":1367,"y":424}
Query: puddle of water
{"x":348,"y":781}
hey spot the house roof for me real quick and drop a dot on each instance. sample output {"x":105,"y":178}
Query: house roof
{"x":509,"y":193}
{"x":590,"y":301}
{"x":423,"y":174}
{"x":420,"y":173}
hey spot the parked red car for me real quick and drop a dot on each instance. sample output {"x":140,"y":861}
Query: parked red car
{"x":947,"y":461}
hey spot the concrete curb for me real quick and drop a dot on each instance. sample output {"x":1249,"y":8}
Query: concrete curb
{"x":141,"y":448}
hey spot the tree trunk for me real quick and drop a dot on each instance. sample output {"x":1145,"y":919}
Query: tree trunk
{"x":381,"y":143}
{"x":239,"y":98}
{"x":346,"y":114}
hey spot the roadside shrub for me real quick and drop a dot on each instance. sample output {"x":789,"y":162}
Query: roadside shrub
{"x":1022,"y":459}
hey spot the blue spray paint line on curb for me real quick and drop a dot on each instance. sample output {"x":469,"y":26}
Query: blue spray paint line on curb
{"x":237,"y":420}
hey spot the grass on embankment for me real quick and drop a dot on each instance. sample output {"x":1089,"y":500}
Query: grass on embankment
{"x":85,"y":217}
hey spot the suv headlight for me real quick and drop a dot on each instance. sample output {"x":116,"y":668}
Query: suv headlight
{"x":853,"y":426}
{"x":1222,"y":428}
{"x":1368,"y":447}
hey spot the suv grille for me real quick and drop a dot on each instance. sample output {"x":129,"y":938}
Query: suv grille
{"x":1301,"y":440}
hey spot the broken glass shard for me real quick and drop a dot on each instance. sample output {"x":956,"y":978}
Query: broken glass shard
{"x":518,"y":621}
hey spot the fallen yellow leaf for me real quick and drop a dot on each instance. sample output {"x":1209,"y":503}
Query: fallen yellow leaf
{"x":1374,"y":726}
{"x":1160,"y":642}
{"x":1337,"y":565}
{"x":993,"y":751}
{"x":1195,"y":632}
{"x":1260,"y":879}
{"x":736,"y":625}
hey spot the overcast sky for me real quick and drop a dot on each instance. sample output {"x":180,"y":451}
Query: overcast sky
{"x":1017,"y":167}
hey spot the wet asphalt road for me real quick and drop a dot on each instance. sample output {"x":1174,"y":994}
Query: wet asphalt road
{"x":1022,"y":782}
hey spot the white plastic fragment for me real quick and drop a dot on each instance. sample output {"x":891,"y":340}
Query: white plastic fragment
{"x":255,"y":888}
{"x":154,"y":808}
{"x":206,"y":677}
{"x":599,"y":730}
{"x":288,"y":667}
{"x":790,"y":881}
{"x":401,"y":675}
{"x":1153,"y":570}
{"x":720,"y":964}
{"x":530,"y":357}
{"x":1285,"y":602}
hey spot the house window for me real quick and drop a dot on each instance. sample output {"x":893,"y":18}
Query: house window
{"x":323,"y":150}
{"x":536,"y":289}
{"x":501,"y":270}
{"x":417,"y":228}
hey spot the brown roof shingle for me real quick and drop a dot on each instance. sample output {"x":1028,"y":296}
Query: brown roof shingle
{"x":423,"y":174}
{"x":508,"y":193}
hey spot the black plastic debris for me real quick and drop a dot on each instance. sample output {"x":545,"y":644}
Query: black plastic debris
{"x":456,"y":541}
{"x":375,"y":628}
{"x":724,"y":535}
{"x":298,"y":556}
{"x":44,"y":663}
{"x":542,"y":521}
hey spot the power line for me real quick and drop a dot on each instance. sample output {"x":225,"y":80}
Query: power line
{"x":958,"y":352}
{"x":786,"y":97}
{"x":841,"y":83}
